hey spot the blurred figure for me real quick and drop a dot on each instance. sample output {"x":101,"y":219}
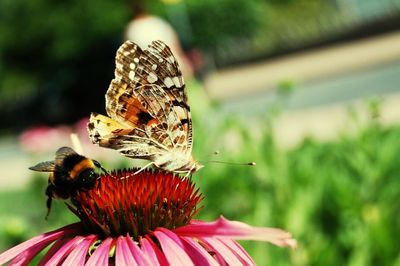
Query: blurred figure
{"x":145,"y":28}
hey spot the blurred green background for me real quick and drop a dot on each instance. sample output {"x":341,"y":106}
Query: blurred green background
{"x":327,"y":144}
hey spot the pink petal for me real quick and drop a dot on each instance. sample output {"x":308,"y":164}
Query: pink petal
{"x":78,"y":254}
{"x":152,"y":252}
{"x":25,"y":257}
{"x":172,"y":249}
{"x":137,"y":253}
{"x":218,"y":247}
{"x":220,"y":259}
{"x":198,"y":254}
{"x":64,"y":251}
{"x":123,"y":254}
{"x":53,"y":250}
{"x":100,"y":255}
{"x":240,"y":253}
{"x":236,"y":230}
{"x":38,"y":242}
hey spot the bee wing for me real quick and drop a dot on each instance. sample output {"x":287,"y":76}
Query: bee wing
{"x":48,"y":166}
{"x":63,"y":152}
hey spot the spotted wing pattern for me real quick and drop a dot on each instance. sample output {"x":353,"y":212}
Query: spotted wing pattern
{"x":146,"y":103}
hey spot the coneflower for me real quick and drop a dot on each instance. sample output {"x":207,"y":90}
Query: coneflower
{"x":143,"y":219}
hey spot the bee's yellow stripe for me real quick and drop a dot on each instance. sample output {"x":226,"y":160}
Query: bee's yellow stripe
{"x":79,"y":167}
{"x":51,"y":177}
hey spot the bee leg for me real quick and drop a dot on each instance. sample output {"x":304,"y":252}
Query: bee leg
{"x":49,"y":194}
{"x":48,"y":203}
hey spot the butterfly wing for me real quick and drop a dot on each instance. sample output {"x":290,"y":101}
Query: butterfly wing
{"x":147,"y":98}
{"x":131,"y":142}
{"x":156,"y":84}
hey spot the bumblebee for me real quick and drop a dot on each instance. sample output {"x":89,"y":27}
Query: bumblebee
{"x":69,"y":173}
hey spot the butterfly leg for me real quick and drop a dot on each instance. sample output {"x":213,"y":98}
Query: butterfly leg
{"x":188,"y":174}
{"x":191,"y":171}
{"x":144,"y":167}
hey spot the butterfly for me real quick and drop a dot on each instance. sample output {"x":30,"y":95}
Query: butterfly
{"x":148,"y":111}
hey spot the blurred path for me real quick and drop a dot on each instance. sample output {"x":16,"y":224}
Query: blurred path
{"x":375,"y":81}
{"x":327,"y":122}
{"x":305,"y":66}
{"x":326,"y":82}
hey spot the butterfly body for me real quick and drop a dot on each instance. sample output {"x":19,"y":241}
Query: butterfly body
{"x":148,"y":112}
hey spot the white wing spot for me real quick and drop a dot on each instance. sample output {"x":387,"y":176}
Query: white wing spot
{"x":168,"y":82}
{"x":177,"y":82}
{"x":152,"y":77}
{"x":171,"y":59}
{"x":118,"y":65}
{"x":132,"y":66}
{"x":126,"y":53}
{"x":154,"y":67}
{"x":136,"y":60}
{"x":180,"y":112}
{"x":131,"y":75}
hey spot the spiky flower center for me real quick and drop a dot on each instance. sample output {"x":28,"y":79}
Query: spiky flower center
{"x":123,"y":202}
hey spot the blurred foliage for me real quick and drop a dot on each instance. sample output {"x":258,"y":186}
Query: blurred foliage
{"x":54,"y":53}
{"x":23,"y":212}
{"x":215,"y":22}
{"x":339,"y":198}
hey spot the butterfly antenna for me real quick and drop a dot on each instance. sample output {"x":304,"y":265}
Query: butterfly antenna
{"x":231,"y":163}
{"x":216,"y":152}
